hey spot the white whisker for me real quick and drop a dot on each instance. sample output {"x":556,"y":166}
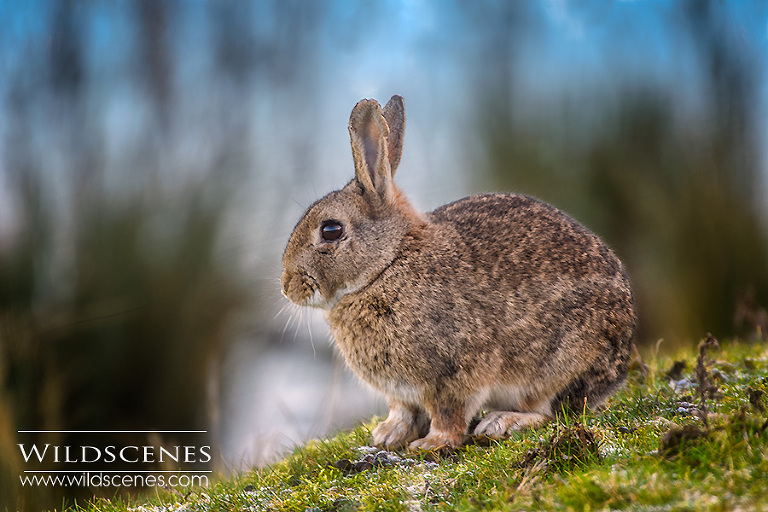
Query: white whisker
{"x":291,"y":310}
{"x":287,"y":322}
{"x":282,"y":310}
{"x":302,"y":312}
{"x":296,"y":317}
{"x":311,"y":340}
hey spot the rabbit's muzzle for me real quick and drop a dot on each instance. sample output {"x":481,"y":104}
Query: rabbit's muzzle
{"x":298,"y":287}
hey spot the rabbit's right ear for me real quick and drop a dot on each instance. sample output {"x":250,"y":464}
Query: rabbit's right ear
{"x":369,"y":133}
{"x":394,"y":113}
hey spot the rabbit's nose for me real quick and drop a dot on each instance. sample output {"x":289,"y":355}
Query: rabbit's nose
{"x":284,"y":280}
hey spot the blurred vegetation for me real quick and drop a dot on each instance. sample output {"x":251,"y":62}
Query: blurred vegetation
{"x":116,"y":298}
{"x":133,"y":340}
{"x":676,"y":193}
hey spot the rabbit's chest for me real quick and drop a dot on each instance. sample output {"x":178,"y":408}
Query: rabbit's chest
{"x":369,"y":335}
{"x":377,"y":365}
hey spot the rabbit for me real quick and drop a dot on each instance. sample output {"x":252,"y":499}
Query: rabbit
{"x":493,"y":302}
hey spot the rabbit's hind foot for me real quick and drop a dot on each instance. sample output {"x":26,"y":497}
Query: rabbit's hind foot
{"x":499,"y":424}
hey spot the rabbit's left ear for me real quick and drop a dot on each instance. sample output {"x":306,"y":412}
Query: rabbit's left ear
{"x":377,"y":144}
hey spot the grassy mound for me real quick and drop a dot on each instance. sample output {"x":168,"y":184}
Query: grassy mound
{"x":685,"y":433}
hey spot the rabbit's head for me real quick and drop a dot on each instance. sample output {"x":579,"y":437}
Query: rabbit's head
{"x":347,"y":238}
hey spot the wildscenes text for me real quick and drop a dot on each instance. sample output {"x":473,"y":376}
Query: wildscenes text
{"x":99,"y":479}
{"x":111,"y":454}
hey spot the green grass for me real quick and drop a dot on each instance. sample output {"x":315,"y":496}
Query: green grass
{"x":609,"y":460}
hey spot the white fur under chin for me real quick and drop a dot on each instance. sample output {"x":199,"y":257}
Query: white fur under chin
{"x":320,"y":302}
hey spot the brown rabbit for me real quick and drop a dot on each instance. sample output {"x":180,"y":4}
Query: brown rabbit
{"x":493,"y":301}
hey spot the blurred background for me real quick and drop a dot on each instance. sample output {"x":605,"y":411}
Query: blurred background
{"x":155,"y":155}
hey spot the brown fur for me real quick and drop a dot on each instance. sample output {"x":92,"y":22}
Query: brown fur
{"x":496,"y":300}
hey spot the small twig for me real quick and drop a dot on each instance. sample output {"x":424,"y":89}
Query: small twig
{"x":705,"y":386}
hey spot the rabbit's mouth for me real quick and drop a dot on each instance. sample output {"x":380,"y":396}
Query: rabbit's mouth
{"x":299,"y":287}
{"x":303,"y":289}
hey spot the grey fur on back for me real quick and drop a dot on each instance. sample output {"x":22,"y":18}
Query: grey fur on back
{"x":547,"y":248}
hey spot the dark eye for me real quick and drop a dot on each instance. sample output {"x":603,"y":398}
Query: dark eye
{"x":331,"y":230}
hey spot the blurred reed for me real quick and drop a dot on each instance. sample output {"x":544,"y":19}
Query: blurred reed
{"x":131,"y":338}
{"x":117,"y":288}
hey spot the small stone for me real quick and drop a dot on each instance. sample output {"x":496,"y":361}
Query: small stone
{"x":343,"y":465}
{"x":756,"y":398}
{"x":385,"y":458}
{"x":681,"y":385}
{"x":361,"y":466}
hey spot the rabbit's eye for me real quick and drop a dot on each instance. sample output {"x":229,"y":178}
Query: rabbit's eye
{"x":331,"y":230}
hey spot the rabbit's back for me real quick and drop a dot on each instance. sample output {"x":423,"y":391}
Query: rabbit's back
{"x":562,"y":306}
{"x":516,"y":237}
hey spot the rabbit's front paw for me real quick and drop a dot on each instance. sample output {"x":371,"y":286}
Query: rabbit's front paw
{"x":438,"y":439}
{"x":395,"y":432}
{"x":499,"y":424}
{"x":403,"y":424}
